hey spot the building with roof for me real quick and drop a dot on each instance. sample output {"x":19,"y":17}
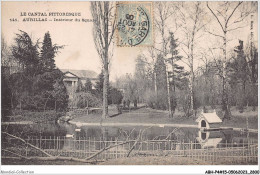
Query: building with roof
{"x":74,"y":78}
{"x":207,"y":120}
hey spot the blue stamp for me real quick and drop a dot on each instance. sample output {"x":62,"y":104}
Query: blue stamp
{"x":134,"y":24}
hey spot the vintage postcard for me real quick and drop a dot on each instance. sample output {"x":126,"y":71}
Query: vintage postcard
{"x":129,"y":83}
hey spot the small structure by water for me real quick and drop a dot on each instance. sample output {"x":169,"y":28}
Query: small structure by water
{"x":209,"y":140}
{"x":208,"y":120}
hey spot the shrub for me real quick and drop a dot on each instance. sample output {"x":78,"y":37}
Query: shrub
{"x":84,"y":99}
{"x":114,"y":96}
{"x":38,"y":117}
{"x":158,"y":101}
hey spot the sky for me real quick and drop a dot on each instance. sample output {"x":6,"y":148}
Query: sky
{"x":79,"y":51}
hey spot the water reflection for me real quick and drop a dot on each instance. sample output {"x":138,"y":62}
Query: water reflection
{"x":225,"y":138}
{"x":52,"y":132}
{"x":209,"y":139}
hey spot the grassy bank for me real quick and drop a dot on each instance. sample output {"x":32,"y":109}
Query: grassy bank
{"x":148,"y":115}
{"x":35,"y":117}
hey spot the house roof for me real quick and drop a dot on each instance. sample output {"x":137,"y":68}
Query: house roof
{"x":209,"y":117}
{"x":83,"y":74}
{"x":70,"y":75}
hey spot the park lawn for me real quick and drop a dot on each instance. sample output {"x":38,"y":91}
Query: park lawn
{"x":141,"y":115}
{"x":33,"y":116}
{"x":148,"y":115}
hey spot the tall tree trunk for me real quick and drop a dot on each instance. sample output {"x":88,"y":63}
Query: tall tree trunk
{"x":253,"y":63}
{"x":155,"y":83}
{"x":168,"y":92}
{"x":173,"y":80}
{"x":104,"y":28}
{"x":191,"y":93}
{"x":105,"y":92}
{"x":225,"y":99}
{"x":191,"y":77}
{"x":167,"y":79}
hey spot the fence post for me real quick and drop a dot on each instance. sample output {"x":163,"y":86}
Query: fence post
{"x":94,"y":141}
{"x":243,"y":150}
{"x":56,"y":143}
{"x":190,"y":149}
{"x":226,"y":150}
{"x":183,"y":148}
{"x":147,"y":148}
{"x":84,"y":147}
{"x":232,"y":151}
{"x":88,"y":146}
{"x":153,"y":148}
{"x":41,"y":142}
{"x":116,"y":149}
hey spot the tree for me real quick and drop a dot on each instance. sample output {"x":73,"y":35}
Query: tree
{"x":103,"y":14}
{"x":88,"y":86}
{"x":239,"y":73}
{"x":5,"y":61}
{"x":192,"y":20}
{"x":141,"y":77}
{"x":86,"y":100}
{"x":37,"y":86}
{"x":163,"y":10}
{"x":224,"y":17}
{"x":99,"y":85}
{"x":176,"y":69}
{"x":160,"y":69}
{"x":151,"y":66}
{"x":131,"y":91}
{"x":6,"y":97}
{"x":26,"y":52}
{"x":47,"y":53}
{"x":115,"y":97}
{"x":252,"y":60}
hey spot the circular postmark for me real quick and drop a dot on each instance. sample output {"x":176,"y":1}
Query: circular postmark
{"x":133,"y":25}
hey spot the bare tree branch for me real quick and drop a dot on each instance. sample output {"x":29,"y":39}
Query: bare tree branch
{"x":215,"y":17}
{"x":215,"y":34}
{"x":18,"y":138}
{"x":239,"y":3}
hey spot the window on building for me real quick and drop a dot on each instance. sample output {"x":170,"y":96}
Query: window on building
{"x":69,"y":83}
{"x":203,"y":135}
{"x":203,"y":123}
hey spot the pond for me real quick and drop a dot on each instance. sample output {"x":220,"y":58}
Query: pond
{"x":70,"y":132}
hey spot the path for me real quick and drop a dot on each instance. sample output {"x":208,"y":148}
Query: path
{"x":133,"y":124}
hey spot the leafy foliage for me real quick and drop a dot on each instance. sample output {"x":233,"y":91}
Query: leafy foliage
{"x":86,"y":99}
{"x":26,"y":52}
{"x":114,"y":96}
{"x":39,"y":86}
{"x":6,"y":96}
{"x":88,"y":86}
{"x":47,"y":53}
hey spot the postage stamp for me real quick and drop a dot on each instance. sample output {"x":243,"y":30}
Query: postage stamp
{"x":135,"y":24}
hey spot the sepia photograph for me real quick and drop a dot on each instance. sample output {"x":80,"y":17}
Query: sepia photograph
{"x":129,"y":83}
